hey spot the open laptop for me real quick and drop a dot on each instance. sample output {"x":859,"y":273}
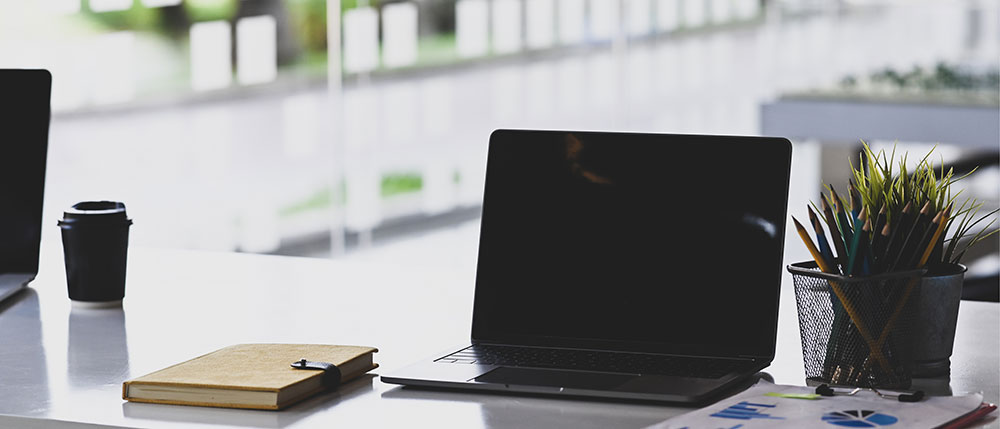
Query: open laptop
{"x":24,"y":133}
{"x":640,"y":266}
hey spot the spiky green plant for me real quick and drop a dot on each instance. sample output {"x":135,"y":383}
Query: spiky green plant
{"x":879,"y":185}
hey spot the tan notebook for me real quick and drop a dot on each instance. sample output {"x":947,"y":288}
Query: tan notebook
{"x":257,"y":376}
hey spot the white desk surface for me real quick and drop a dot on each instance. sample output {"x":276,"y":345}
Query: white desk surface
{"x":62,"y":364}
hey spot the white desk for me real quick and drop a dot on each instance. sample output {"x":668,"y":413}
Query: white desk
{"x":63,"y":364}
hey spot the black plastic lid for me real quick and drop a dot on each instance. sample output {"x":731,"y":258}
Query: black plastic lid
{"x":95,"y":213}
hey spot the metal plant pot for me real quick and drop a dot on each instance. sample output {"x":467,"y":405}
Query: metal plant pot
{"x":937,"y":314}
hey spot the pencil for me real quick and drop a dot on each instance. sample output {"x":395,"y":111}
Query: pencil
{"x":881,"y":218}
{"x":920,"y":223}
{"x":824,"y":246}
{"x":842,"y":222}
{"x":820,"y":262}
{"x":855,"y":201}
{"x":858,"y":233}
{"x":839,"y":315}
{"x":838,"y":240}
{"x":866,"y":248}
{"x":894,"y":234}
{"x":878,"y":239}
{"x":942,"y":222}
{"x":879,"y":247}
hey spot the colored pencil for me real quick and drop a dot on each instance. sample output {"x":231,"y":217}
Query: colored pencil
{"x":852,"y":254}
{"x":878,"y":239}
{"x":866,"y":248}
{"x":824,"y":246}
{"x":842,"y":222}
{"x":921,"y":227}
{"x":820,"y":262}
{"x":838,"y":240}
{"x":942,"y":223}
{"x":855,"y":202}
{"x":903,"y":223}
{"x":879,"y":247}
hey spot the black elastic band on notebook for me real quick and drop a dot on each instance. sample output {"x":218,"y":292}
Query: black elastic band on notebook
{"x":331,"y":374}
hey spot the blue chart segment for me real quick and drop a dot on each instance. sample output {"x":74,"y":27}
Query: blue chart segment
{"x":859,"y":419}
{"x":746,"y":411}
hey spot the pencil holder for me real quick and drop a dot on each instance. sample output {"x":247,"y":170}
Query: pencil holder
{"x":857,"y":331}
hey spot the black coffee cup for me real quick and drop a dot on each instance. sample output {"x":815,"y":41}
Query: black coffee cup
{"x":95,"y":245}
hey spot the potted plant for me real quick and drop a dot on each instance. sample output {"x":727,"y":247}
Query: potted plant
{"x":882,"y":189}
{"x":881,"y":300}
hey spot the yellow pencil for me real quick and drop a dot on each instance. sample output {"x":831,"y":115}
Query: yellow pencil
{"x":937,"y":234}
{"x":820,"y":261}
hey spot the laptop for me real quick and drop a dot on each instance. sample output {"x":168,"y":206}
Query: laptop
{"x":24,"y":133}
{"x":615,"y":265}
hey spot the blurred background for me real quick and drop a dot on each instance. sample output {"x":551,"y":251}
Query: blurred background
{"x":358,"y":129}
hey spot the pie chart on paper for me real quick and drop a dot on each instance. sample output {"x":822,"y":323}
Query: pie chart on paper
{"x":859,"y":419}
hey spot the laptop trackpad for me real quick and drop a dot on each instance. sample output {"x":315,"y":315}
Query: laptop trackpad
{"x":554,"y":378}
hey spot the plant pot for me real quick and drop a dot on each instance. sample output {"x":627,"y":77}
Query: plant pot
{"x":937,"y":307}
{"x":857,"y":331}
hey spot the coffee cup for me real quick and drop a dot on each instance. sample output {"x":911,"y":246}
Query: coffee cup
{"x":95,"y":246}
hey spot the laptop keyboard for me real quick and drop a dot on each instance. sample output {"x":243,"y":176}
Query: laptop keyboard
{"x":587,"y":360}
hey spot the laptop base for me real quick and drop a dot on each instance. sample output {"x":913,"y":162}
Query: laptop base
{"x":569,"y":383}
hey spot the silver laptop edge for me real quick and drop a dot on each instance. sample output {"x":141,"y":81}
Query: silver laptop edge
{"x":11,"y":283}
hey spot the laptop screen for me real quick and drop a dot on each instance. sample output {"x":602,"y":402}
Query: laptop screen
{"x":24,"y":130}
{"x":642,"y":242}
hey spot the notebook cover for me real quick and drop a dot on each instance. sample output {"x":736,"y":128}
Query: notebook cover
{"x":254,"y":367}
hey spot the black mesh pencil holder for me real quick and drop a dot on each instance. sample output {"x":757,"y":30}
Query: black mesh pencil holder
{"x":856,"y":331}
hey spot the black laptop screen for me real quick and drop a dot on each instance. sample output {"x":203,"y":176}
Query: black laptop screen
{"x":24,"y":128}
{"x":643,"y":242}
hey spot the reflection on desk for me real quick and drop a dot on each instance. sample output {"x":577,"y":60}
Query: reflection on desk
{"x":97,"y":347}
{"x":23,"y":364}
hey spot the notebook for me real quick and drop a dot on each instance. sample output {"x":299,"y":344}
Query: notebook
{"x":257,"y":376}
